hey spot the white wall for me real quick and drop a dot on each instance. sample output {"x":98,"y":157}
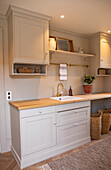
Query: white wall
{"x":3,"y":105}
{"x":107,"y":84}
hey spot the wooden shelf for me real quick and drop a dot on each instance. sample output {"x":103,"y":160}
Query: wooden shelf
{"x":28,"y":74}
{"x":105,"y":75}
{"x":71,"y":53}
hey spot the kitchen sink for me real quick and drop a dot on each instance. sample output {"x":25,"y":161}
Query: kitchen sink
{"x":65,"y":98}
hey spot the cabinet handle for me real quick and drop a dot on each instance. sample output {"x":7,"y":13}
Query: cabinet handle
{"x":40,"y":111}
{"x":101,"y":60}
{"x":76,"y":124}
{"x":54,"y":123}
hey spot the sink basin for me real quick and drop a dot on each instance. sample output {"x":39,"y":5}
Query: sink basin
{"x":65,"y":98}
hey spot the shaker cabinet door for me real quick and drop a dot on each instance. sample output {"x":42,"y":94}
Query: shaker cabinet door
{"x":73,"y":132}
{"x":30,"y":41}
{"x":105,"y":53}
{"x":38,"y":133}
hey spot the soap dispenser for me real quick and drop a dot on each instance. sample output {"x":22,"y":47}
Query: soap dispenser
{"x":70,"y":91}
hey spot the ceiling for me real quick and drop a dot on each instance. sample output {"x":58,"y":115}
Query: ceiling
{"x":81,"y":16}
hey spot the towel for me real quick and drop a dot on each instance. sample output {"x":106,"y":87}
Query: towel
{"x":63,"y":71}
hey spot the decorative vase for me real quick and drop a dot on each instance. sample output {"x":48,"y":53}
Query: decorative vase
{"x":88,"y":89}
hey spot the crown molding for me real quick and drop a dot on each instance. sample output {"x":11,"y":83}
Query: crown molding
{"x":2,"y":16}
{"x":67,"y":32}
{"x":94,"y":35}
{"x":105,"y":34}
{"x":100,"y":34}
{"x":21,"y":11}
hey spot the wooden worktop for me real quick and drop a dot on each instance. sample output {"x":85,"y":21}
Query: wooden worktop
{"x":37,"y":103}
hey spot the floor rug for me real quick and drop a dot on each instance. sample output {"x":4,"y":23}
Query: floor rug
{"x":94,"y":157}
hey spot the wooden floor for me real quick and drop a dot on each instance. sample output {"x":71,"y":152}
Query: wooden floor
{"x":7,"y":161}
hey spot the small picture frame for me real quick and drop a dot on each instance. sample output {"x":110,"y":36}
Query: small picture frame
{"x":64,"y":44}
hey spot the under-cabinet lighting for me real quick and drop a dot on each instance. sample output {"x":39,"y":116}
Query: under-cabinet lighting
{"x":109,"y":31}
{"x":62,"y":16}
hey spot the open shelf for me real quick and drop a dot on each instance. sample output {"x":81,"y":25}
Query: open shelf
{"x":28,"y":69}
{"x":71,"y":53}
{"x":104,"y":72}
{"x":104,"y":75}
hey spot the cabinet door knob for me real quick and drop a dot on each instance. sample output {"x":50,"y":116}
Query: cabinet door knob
{"x":40,"y":111}
{"x":75,"y":124}
{"x":54,"y":123}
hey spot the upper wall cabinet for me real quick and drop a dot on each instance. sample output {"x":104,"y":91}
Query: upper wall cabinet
{"x":105,"y":51}
{"x":28,"y":37}
{"x":100,"y":44}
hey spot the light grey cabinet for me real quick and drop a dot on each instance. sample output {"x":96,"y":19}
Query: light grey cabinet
{"x":73,"y":124}
{"x":28,"y":37}
{"x":100,"y":45}
{"x":105,"y":51}
{"x":40,"y":133}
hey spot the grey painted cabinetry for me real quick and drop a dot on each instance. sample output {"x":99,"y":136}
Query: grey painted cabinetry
{"x":28,"y":34}
{"x":41,"y":133}
{"x":100,"y":45}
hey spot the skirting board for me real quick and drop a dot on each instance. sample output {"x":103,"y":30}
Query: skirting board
{"x":16,"y":156}
{"x":35,"y":158}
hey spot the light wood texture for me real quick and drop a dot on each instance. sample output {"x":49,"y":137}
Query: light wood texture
{"x":29,"y":104}
{"x":71,"y":53}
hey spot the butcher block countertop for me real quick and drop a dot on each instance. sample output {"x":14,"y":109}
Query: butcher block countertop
{"x":45,"y":102}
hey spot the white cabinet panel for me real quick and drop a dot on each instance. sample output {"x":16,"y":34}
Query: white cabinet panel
{"x":28,"y":37}
{"x":70,"y":106}
{"x":73,"y":132}
{"x":105,"y":60}
{"x":45,"y":132}
{"x":70,"y":116}
{"x":38,"y":133}
{"x":30,"y":40}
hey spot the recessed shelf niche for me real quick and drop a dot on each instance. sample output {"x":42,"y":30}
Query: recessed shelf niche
{"x":29,"y":69}
{"x":104,"y":72}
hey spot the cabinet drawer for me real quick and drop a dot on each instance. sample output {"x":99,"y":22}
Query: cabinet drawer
{"x":70,"y":106}
{"x":37,"y":111}
{"x":73,"y":132}
{"x":71,"y":116}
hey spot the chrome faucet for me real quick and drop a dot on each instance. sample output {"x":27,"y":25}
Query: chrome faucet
{"x":58,"y":94}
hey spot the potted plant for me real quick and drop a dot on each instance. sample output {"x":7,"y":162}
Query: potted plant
{"x":88,"y":84}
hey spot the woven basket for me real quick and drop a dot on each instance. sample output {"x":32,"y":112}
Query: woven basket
{"x":22,"y":70}
{"x":108,"y":111}
{"x":96,"y":126}
{"x":106,"y":120}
